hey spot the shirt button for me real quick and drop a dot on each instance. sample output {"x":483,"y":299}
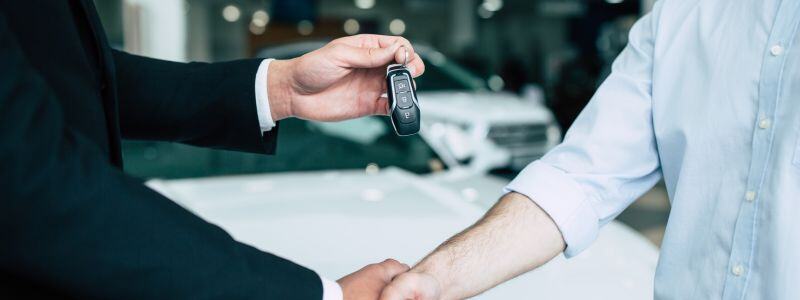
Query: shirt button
{"x":776,"y":50}
{"x":737,"y":270}
{"x":750,"y":196}
{"x":764,"y":123}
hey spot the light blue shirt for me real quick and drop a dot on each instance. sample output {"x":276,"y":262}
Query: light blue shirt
{"x":706,"y":96}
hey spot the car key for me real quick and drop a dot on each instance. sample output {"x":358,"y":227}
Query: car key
{"x":402,"y":94}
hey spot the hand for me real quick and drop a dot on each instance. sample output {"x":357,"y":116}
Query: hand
{"x":368,"y":282}
{"x":342,"y":80}
{"x":412,"y":285}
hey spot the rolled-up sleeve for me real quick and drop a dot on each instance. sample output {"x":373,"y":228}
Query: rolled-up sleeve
{"x":609,"y":156}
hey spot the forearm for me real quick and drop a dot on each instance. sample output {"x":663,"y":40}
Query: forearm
{"x":514,"y":237}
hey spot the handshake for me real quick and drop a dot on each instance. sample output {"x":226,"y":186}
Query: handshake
{"x":344,"y":80}
{"x":389,"y":280}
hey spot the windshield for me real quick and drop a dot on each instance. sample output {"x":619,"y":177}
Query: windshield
{"x":302,"y":146}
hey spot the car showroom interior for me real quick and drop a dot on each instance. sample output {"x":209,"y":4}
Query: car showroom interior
{"x":504,"y":81}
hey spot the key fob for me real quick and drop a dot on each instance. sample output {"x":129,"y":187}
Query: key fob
{"x":403,"y":103}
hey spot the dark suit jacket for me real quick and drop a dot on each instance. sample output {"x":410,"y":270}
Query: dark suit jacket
{"x":71,"y":223}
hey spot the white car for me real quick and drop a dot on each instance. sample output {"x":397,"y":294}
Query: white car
{"x":337,"y":221}
{"x":467,"y":122}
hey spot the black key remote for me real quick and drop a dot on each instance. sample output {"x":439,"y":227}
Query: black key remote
{"x":403,"y":104}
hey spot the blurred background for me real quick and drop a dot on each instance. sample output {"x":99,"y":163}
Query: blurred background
{"x":504,"y":81}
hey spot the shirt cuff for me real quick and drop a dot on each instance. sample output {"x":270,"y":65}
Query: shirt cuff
{"x":331,"y":290}
{"x":262,"y":100}
{"x":563,"y":199}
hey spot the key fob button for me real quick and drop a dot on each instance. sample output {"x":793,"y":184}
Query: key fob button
{"x":400,"y":77}
{"x":402,"y":86}
{"x":406,"y":115}
{"x":404,"y":100}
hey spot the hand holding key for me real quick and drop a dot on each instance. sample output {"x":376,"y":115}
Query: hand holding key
{"x":343,"y":80}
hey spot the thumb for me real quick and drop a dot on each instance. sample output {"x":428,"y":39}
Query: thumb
{"x":397,"y":290}
{"x":393,"y":268}
{"x":415,"y":286}
{"x":364,"y":57}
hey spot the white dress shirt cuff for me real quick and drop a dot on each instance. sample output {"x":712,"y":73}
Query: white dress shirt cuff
{"x":331,"y":290}
{"x":262,"y":100}
{"x":563,"y":199}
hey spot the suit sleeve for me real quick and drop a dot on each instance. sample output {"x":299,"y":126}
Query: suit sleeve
{"x":76,"y":225}
{"x":203,"y":104}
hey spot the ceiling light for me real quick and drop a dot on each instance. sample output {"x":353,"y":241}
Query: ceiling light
{"x":492,"y":5}
{"x":257,"y":30}
{"x":351,"y":26}
{"x":365,"y":4}
{"x":496,"y":83}
{"x":260,"y":18}
{"x":305,"y":27}
{"x":231,"y":13}
{"x":397,"y":27}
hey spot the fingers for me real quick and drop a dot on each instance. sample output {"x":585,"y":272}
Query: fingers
{"x":415,"y":286}
{"x":404,"y":49}
{"x":395,"y":291}
{"x":371,"y":51}
{"x":376,"y":41}
{"x":392,"y":268}
{"x":414,"y":63}
{"x":378,"y":106}
{"x":381,"y":106}
{"x":357,"y":57}
{"x":416,"y":66}
{"x":399,"y":289}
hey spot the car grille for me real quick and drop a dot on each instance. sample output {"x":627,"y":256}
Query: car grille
{"x":525,"y":142}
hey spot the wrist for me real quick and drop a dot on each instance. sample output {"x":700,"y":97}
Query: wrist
{"x":444,"y":286}
{"x":280,"y":91}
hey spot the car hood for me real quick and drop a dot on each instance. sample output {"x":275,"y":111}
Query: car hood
{"x":488,"y":107}
{"x":391,"y":192}
{"x":337,"y":222}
